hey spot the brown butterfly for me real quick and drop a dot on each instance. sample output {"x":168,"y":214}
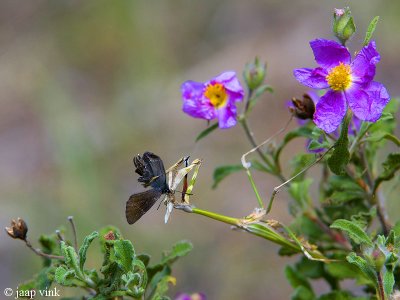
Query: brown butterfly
{"x":152,"y":173}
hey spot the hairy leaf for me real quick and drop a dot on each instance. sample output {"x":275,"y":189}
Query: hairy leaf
{"x":71,"y":259}
{"x":64,"y":277}
{"x":362,"y":264}
{"x":388,"y":282}
{"x":124,"y":254}
{"x":390,"y":167}
{"x":162,"y":287}
{"x":85,"y":246}
{"x":178,"y":250}
{"x":381,"y":135}
{"x":355,"y":232}
{"x":341,"y":155}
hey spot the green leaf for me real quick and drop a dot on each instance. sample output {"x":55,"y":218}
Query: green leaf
{"x":370,"y":30}
{"x":355,"y":232}
{"x":145,"y":258}
{"x":256,"y":165}
{"x":302,"y":293}
{"x":362,"y":264}
{"x":340,"y":295}
{"x":310,"y":268}
{"x":344,"y":270}
{"x":162,"y":288}
{"x":390,"y":167}
{"x":303,"y":131}
{"x":341,"y":155}
{"x":207,"y":131}
{"x":300,"y":193}
{"x":363,"y":219}
{"x":299,"y":163}
{"x":71,"y":259}
{"x":43,"y":280}
{"x":64,"y":277}
{"x":178,"y":250}
{"x":295,"y":279}
{"x":343,"y":189}
{"x":83,"y":249}
{"x":124,"y":254}
{"x":316,"y":145}
{"x":380,"y":135}
{"x":257,"y":93}
{"x":388,"y":283}
{"x":221,"y":172}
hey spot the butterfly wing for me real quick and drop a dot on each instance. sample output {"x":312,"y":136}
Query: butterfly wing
{"x":139,"y":203}
{"x":151,"y":170}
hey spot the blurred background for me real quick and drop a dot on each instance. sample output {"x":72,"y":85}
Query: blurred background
{"x":86,"y":85}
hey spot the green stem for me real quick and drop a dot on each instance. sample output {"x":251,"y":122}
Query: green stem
{"x":215,"y":216}
{"x":362,"y":132}
{"x":381,"y":291}
{"x":376,"y":198}
{"x":253,"y":142}
{"x":253,"y":185}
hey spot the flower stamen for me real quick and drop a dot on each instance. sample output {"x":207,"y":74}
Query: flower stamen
{"x":339,"y":78}
{"x":217,"y":95}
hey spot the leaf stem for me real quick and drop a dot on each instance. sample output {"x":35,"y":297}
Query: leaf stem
{"x":381,"y":292}
{"x":40,"y":253}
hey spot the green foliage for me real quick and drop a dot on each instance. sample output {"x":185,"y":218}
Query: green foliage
{"x":123,"y":272}
{"x":370,"y":30}
{"x":299,"y":190}
{"x":364,"y":267}
{"x":206,"y":131}
{"x":355,"y":232}
{"x":341,"y":155}
{"x":390,"y":167}
{"x":222,"y":172}
{"x":83,"y":250}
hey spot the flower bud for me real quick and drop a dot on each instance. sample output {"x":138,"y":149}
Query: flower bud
{"x":378,"y":258}
{"x":18,"y":229}
{"x":109,"y":236}
{"x":303,"y":109}
{"x":343,"y":24}
{"x":254,"y":74}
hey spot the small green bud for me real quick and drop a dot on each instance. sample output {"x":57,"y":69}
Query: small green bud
{"x":343,"y":24}
{"x":254,"y":74}
{"x":378,"y":258}
{"x":391,"y":261}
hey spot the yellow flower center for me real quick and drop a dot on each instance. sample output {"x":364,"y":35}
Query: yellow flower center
{"x":217,"y":95}
{"x":339,"y":78}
